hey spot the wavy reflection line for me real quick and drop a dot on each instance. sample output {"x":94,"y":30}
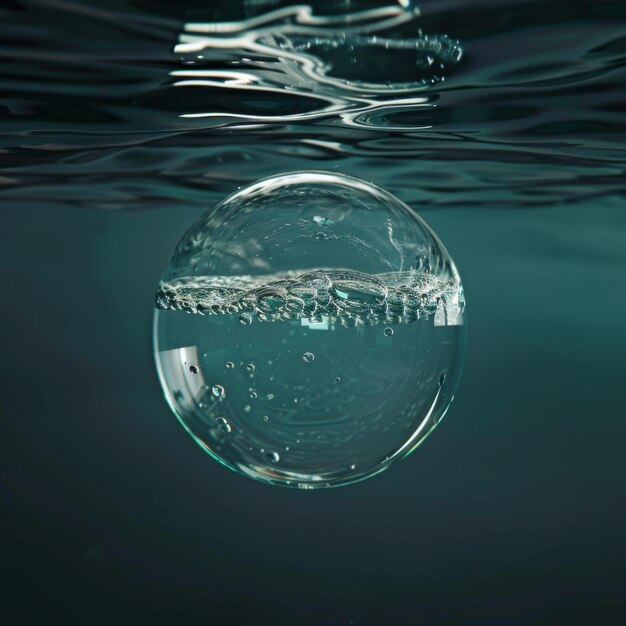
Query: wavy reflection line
{"x":304,"y":17}
{"x":280,"y":50}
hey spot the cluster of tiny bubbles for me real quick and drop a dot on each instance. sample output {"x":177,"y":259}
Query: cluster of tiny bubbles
{"x":343,"y":352}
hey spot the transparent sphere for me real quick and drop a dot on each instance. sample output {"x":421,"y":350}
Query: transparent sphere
{"x":309,"y":330}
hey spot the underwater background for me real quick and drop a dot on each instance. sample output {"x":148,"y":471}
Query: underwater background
{"x":502,"y":123}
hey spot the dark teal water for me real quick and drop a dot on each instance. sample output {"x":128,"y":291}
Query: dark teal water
{"x":113,"y":140}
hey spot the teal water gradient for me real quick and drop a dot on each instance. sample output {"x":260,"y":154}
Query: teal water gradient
{"x":512,"y":514}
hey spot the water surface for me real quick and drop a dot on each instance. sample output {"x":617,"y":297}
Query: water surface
{"x":492,"y":104}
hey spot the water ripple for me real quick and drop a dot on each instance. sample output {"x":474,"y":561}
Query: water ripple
{"x":350,"y":68}
{"x":112,"y":109}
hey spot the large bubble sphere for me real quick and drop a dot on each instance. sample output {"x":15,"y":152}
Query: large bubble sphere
{"x":309,"y":330}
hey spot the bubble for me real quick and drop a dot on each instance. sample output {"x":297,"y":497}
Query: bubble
{"x":229,"y":365}
{"x":218,"y":391}
{"x":273,"y":457}
{"x":320,"y":219}
{"x":250,"y":367}
{"x":223,"y":425}
{"x":255,"y":256}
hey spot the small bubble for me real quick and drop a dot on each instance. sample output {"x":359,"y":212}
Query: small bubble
{"x":253,"y":395}
{"x":245,"y":318}
{"x":308,"y":357}
{"x":218,"y":391}
{"x":352,"y":464}
{"x":272,"y":457}
{"x":247,"y":408}
{"x":193,"y":369}
{"x":338,"y":379}
{"x":388,"y":331}
{"x":320,"y":219}
{"x":230,"y":365}
{"x":265,"y":418}
{"x":270,"y":396}
{"x":223,"y":425}
{"x":320,"y":235}
{"x":442,"y":378}
{"x":250,"y":367}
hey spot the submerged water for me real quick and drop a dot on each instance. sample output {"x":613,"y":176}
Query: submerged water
{"x":114,"y":138}
{"x":307,"y":404}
